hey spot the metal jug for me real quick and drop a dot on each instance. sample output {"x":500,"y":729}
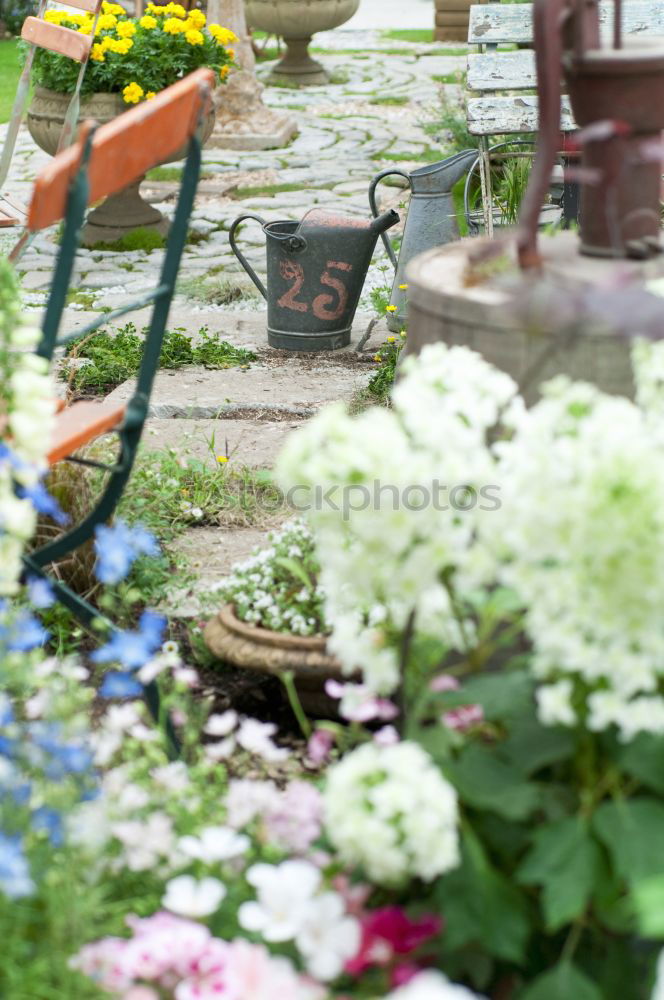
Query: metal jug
{"x":315,"y":274}
{"x":431,"y":220}
{"x":617,"y":97}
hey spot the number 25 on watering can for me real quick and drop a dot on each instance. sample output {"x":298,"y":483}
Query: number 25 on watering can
{"x":293,"y":271}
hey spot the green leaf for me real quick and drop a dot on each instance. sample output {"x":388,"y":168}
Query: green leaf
{"x":565,"y":861}
{"x":565,"y":982}
{"x":482,"y":907}
{"x":293,"y":567}
{"x":648,"y":898}
{"x":643,"y":758}
{"x":633,"y":832}
{"x":502,"y":695}
{"x":531,"y":746}
{"x":484,"y":780}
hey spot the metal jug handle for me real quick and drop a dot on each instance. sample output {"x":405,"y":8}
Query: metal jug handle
{"x":240,"y":256}
{"x":374,"y":208}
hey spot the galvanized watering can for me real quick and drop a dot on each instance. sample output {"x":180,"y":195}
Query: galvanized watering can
{"x":431,"y":220}
{"x":617,"y":97}
{"x":315,"y":274}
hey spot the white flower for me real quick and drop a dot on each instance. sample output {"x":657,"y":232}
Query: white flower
{"x":213,"y":844}
{"x":389,"y":810}
{"x":221,"y":725}
{"x":284,"y":895}
{"x":328,"y":937}
{"x":554,"y":704}
{"x":145,"y":843}
{"x":659,"y":984}
{"x":190,"y":897}
{"x":255,"y":737}
{"x":174,"y":777}
{"x":432,"y":985}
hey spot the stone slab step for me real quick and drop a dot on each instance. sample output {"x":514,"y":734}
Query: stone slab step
{"x":244,"y":442}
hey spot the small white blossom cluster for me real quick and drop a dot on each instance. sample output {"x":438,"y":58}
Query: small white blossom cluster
{"x":27,"y":406}
{"x":277,"y":587}
{"x":390,"y":811}
{"x":404,"y":487}
{"x":431,"y":985}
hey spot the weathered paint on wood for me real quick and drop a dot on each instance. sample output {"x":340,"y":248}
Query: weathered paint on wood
{"x":91,"y":6}
{"x":502,"y":70}
{"x":497,"y":24}
{"x":124,"y":148}
{"x":55,"y":38}
{"x":507,"y":115}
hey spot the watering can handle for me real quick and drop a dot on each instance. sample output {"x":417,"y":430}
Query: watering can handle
{"x":240,"y":256}
{"x":374,"y":208}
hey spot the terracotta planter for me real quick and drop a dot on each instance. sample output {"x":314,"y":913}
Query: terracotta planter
{"x":296,"y":21}
{"x":244,"y":645}
{"x":123,"y":211}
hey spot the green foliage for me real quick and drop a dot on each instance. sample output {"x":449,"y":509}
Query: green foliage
{"x":562,"y":983}
{"x":10,"y":71}
{"x":141,"y":238}
{"x":510,"y":188}
{"x":409,"y":35}
{"x":380,"y":384}
{"x":116,"y":356}
{"x":153,"y":57}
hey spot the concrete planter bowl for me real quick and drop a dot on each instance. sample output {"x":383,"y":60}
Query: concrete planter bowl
{"x":234,"y":641}
{"x":121,"y":212}
{"x":296,"y":21}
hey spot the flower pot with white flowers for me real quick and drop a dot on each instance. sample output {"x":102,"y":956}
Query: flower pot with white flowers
{"x":131,"y":60}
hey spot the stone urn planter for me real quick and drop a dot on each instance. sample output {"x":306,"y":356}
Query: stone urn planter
{"x":243,"y":645}
{"x":121,"y":212}
{"x":296,"y":21}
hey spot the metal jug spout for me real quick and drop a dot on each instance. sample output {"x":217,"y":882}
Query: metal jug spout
{"x":383,"y":222}
{"x":440,"y":178}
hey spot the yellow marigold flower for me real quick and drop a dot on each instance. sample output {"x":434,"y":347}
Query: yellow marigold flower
{"x":97,"y":52}
{"x":77,"y":19}
{"x":108,"y":44}
{"x":403,"y":287}
{"x":155,"y":9}
{"x":132,"y":93}
{"x":122,"y":47}
{"x":390,"y":309}
{"x":223,"y":72}
{"x":175,"y":10}
{"x":113,"y":8}
{"x":148,"y":22}
{"x":151,"y":94}
{"x":391,"y":340}
{"x":126,"y":29}
{"x":194,"y":37}
{"x":173,"y":26}
{"x":230,"y":53}
{"x":85,"y":28}
{"x":106,"y":22}
{"x":224,"y":36}
{"x":54,"y":16}
{"x":197,"y":18}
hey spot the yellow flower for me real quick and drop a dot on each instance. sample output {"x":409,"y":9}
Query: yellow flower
{"x":196,"y":18}
{"x":148,"y":22}
{"x":122,"y":47}
{"x":377,"y":357}
{"x":175,"y":10}
{"x":113,"y":8}
{"x":97,"y":52}
{"x":224,"y":36}
{"x":155,"y":9}
{"x":222,"y":459}
{"x":108,"y":44}
{"x":403,"y":334}
{"x":391,"y":309}
{"x":173,"y":26}
{"x":194,"y":37}
{"x":85,"y":28}
{"x":403,"y":287}
{"x":77,"y":19}
{"x":126,"y":29}
{"x":150,"y":95}
{"x":223,"y":72}
{"x":54,"y":16}
{"x":105,"y":22}
{"x":391,"y":340}
{"x":132,"y":93}
{"x":230,"y":53}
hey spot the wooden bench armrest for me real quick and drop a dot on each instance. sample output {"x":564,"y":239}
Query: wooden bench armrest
{"x":79,"y":424}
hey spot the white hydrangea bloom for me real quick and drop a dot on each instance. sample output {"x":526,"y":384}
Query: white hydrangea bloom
{"x":378,"y":817}
{"x":432,"y":985}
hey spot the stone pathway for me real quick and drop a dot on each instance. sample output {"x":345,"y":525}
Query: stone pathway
{"x":369,"y":118}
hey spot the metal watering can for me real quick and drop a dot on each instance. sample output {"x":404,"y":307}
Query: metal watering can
{"x":315,"y":274}
{"x":431,"y":219}
{"x":617,"y":97}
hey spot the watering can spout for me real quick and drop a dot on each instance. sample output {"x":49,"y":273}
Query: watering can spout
{"x":454,"y":168}
{"x":383,"y":222}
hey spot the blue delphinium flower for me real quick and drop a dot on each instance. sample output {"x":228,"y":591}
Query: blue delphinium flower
{"x":120,"y":685}
{"x":40,"y":592}
{"x":43,"y":502}
{"x":118,"y":547}
{"x":132,"y":649}
{"x":25,"y":633}
{"x":15,"y":879}
{"x":49,"y":820}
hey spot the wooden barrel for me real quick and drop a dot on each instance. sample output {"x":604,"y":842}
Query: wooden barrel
{"x":451,"y":20}
{"x":442,"y":306}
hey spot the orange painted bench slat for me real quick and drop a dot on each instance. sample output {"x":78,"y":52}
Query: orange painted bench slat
{"x":122,"y":150}
{"x":55,"y":38}
{"x":80,"y":423}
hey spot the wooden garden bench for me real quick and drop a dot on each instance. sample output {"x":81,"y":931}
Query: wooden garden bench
{"x":103,"y":161}
{"x":496,"y":75}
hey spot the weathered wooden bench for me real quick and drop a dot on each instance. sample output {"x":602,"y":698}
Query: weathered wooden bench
{"x":496,"y":75}
{"x":39,"y":33}
{"x":103,"y":161}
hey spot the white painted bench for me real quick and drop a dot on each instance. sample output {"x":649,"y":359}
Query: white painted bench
{"x":491,"y":73}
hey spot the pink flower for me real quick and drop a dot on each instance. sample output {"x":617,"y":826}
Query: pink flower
{"x":357,"y":702}
{"x":294,"y":820}
{"x":207,"y":978}
{"x":355,"y":895}
{"x":103,"y":962}
{"x":141,"y":993}
{"x":389,"y":932}
{"x":319,"y":746}
{"x":444,"y":682}
{"x":464,"y":717}
{"x":253,"y":974}
{"x":386,"y":737}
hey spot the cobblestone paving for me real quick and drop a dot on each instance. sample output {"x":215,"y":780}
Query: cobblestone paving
{"x":369,"y":118}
